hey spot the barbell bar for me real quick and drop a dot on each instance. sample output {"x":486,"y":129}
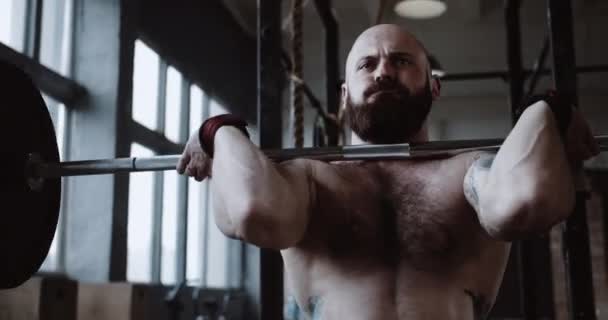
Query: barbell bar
{"x":401,"y":151}
{"x":30,"y":182}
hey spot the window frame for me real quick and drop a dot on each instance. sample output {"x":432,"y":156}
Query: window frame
{"x":158,"y":142}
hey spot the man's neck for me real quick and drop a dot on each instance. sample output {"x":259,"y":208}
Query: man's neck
{"x":421,"y":136}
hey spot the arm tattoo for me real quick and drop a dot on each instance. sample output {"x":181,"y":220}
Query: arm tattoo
{"x":314,"y":307}
{"x":292,"y":310}
{"x":485,"y":161}
{"x":481,"y":164}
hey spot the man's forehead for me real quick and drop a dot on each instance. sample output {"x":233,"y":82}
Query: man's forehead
{"x":388,"y":39}
{"x":387,"y":49}
{"x":393,"y":42}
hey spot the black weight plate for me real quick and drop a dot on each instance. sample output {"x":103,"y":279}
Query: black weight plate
{"x":29,"y":218}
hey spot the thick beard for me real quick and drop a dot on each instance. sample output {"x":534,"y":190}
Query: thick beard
{"x":391,"y":117}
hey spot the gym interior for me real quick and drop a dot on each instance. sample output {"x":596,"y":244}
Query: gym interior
{"x":124,"y":79}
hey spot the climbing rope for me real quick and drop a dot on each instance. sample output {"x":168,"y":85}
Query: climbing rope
{"x":297,"y":91}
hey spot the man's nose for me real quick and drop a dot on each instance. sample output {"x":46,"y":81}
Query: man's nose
{"x":385,"y":72}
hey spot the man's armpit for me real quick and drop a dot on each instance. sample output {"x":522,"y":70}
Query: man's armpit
{"x":476,"y":177}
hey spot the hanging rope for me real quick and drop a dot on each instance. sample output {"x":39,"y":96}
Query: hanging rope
{"x":327,"y":118}
{"x":297,"y":91}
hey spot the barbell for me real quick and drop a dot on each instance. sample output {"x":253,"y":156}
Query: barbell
{"x":31,"y":174}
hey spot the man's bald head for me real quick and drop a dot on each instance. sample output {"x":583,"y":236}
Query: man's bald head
{"x":385,"y":34}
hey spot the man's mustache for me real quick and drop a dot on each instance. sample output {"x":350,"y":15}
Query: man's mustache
{"x":387,"y":86}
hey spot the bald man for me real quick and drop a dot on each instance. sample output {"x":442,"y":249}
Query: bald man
{"x":393,"y":240}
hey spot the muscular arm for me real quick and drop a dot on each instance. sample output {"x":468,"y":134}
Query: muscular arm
{"x":255,"y":199}
{"x":527,"y":186}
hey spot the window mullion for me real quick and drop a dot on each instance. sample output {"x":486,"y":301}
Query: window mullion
{"x":182,"y":187}
{"x":205,"y":207}
{"x":157,"y":208}
{"x":33,"y":28}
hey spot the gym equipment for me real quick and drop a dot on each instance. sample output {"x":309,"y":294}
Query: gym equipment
{"x":29,"y":216}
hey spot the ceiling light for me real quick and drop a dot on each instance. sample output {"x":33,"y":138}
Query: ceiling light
{"x":420,"y":9}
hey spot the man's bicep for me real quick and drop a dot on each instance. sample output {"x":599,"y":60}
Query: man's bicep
{"x":476,"y":178}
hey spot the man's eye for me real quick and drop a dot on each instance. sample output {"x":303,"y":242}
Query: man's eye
{"x":366,"y":65}
{"x":401,"y":61}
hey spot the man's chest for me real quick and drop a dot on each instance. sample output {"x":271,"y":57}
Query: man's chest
{"x":395,"y":213}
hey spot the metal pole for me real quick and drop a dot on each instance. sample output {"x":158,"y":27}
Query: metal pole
{"x":516,"y":77}
{"x":270,"y":89}
{"x":297,"y":90}
{"x":539,"y":65}
{"x":352,"y":152}
{"x":34,"y":28}
{"x":182,"y":189}
{"x":504,"y":74}
{"x":516,"y":74}
{"x":332,"y":69}
{"x":577,"y":257}
{"x":159,"y":178}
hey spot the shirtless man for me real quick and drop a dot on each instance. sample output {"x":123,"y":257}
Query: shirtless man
{"x":394,"y":240}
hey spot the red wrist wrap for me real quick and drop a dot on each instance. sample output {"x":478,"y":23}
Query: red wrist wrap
{"x":206,"y":134}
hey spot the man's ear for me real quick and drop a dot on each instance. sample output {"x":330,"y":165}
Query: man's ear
{"x":342,"y":106}
{"x":343,"y":94}
{"x":435,"y":87}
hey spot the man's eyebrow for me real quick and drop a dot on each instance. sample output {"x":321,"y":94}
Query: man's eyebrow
{"x":367,"y":57}
{"x":401,"y":54}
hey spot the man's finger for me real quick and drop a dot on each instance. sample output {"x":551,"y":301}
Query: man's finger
{"x":196,"y":173}
{"x":183,"y":161}
{"x":190,"y":170}
{"x":208,"y":167}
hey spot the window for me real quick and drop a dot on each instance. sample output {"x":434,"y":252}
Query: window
{"x":139,"y":239}
{"x":12,"y":23}
{"x":171,"y":233}
{"x":55,"y":34}
{"x":145,"y":85}
{"x":173,"y":107}
{"x":215,"y":109}
{"x":197,"y":204}
{"x":181,"y":241}
{"x":55,"y":52}
{"x":169,"y":228}
{"x":197,"y":99}
{"x":58,"y":114}
{"x":19,"y":27}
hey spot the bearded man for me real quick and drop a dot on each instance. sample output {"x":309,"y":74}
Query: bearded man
{"x":393,"y":240}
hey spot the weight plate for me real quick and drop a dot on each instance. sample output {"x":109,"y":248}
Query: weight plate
{"x":29,"y":217}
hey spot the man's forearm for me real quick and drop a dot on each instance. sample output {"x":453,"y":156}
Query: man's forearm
{"x":529,"y":186}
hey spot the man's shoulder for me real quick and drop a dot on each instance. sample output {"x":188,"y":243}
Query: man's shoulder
{"x":311,"y":167}
{"x":467,"y":159}
{"x":327,"y":176}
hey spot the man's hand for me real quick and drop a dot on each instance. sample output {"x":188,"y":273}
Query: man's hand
{"x":580,"y":142}
{"x":194,"y":162}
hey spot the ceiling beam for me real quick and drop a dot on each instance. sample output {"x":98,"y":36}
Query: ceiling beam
{"x":244,"y":12}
